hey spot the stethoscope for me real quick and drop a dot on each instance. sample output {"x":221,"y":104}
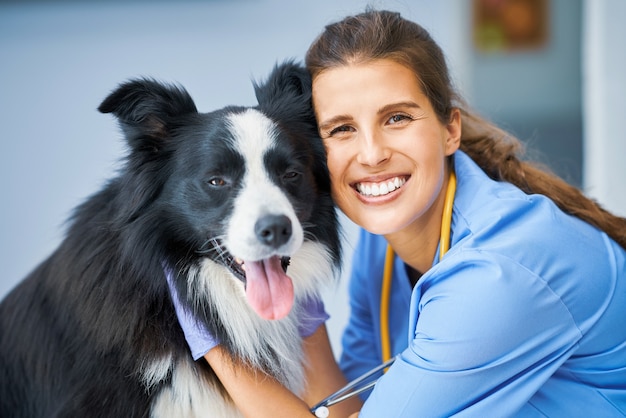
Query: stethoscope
{"x":362,"y":383}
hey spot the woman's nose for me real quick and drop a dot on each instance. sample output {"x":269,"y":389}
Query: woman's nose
{"x":372,"y":150}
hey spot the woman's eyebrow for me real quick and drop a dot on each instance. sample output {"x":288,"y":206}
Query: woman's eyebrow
{"x":334,"y":121}
{"x":392,"y":106}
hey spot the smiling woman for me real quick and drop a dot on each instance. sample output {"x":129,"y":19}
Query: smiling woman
{"x":495,"y":327}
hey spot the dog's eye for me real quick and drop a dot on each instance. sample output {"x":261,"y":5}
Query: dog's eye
{"x":217,"y":181}
{"x":291,"y":175}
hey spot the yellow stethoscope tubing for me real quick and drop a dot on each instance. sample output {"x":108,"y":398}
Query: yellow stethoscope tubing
{"x":444,"y":246}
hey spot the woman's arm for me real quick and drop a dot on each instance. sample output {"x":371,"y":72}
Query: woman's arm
{"x":323,"y":375}
{"x":488,"y":335}
{"x":255,"y":393}
{"x":258,"y":395}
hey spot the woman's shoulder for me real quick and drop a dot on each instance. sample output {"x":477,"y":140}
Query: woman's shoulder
{"x":500,"y":212}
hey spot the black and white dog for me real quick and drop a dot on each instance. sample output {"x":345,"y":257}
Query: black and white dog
{"x":227,"y":202}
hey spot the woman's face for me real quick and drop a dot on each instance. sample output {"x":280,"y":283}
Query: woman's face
{"x":386,"y":147}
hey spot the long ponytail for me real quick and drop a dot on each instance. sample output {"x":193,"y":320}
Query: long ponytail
{"x":501,"y":156}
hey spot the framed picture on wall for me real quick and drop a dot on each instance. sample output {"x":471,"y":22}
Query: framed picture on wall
{"x":510,"y":25}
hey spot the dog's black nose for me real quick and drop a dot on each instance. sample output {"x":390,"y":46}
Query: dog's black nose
{"x":273,"y":230}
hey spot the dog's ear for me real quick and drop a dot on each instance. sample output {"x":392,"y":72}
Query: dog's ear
{"x":145,"y":107}
{"x":288,"y":84}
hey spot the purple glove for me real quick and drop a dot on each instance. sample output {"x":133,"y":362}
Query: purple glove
{"x":313,"y":315}
{"x":200,"y":340}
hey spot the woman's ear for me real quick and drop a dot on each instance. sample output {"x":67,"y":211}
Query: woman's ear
{"x":453,"y":142}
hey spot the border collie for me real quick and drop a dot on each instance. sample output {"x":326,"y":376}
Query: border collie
{"x":227,"y":201}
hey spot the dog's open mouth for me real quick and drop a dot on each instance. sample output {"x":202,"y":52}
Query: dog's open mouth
{"x":268,"y":288}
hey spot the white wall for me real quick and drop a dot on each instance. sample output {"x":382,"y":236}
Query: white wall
{"x":604,"y":103}
{"x":58,"y":60}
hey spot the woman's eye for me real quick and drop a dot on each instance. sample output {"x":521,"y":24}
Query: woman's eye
{"x":340,"y":129}
{"x":398,"y":118}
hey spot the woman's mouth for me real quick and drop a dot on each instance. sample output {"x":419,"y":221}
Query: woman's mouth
{"x":380,"y":188}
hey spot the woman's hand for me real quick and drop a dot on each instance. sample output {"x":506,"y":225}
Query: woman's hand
{"x":258,"y":395}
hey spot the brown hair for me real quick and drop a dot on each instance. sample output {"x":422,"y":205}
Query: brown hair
{"x":374,"y":35}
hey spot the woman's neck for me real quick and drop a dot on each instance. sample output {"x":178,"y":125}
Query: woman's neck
{"x":416,"y":248}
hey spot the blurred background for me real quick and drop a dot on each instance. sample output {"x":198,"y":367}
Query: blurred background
{"x":551,"y":71}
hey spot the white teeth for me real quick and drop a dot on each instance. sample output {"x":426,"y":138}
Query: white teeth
{"x":380,"y":189}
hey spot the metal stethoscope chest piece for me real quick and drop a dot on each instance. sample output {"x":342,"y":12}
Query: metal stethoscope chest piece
{"x":357,"y":386}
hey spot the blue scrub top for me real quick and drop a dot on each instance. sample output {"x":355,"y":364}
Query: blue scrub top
{"x":524,"y":316}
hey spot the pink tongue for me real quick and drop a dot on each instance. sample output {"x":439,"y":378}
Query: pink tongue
{"x":269,"y":290}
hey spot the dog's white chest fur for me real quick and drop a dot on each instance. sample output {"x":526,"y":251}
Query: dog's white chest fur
{"x":190,"y":396}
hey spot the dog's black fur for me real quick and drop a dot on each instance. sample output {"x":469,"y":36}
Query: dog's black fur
{"x":92,"y":330}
